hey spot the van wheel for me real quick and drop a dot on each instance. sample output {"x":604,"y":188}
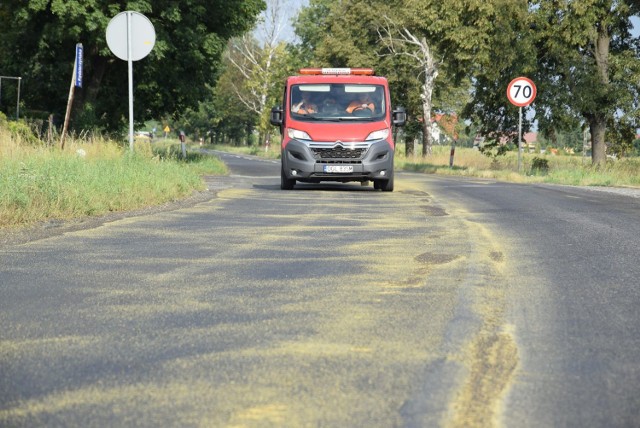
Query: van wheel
{"x":384,"y":185}
{"x":286,"y":183}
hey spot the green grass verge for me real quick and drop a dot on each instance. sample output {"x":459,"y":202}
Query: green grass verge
{"x":562,"y":169}
{"x":93,"y":178}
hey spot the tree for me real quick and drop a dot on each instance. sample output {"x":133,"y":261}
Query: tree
{"x":261,"y":65}
{"x":256,"y":67}
{"x":484,"y":44}
{"x":345,"y":34}
{"x":580,"y":54}
{"x":419,"y":73}
{"x":589,"y":66}
{"x":38,"y":44}
{"x":233,"y":122}
{"x":419,"y":51}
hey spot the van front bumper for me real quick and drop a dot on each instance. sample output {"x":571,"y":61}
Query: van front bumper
{"x":313,"y":162}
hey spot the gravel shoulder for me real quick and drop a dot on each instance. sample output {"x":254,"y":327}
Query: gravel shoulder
{"x":625,"y":191}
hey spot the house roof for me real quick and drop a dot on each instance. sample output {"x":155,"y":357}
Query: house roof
{"x":447,"y":122}
{"x":530,"y":137}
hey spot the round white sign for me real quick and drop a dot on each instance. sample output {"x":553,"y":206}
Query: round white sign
{"x":143,"y":35}
{"x":521,"y":91}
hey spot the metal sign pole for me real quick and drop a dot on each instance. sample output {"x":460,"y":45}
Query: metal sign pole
{"x":130,"y":71}
{"x":18,"y":102}
{"x":521,"y":92}
{"x":520,"y":142}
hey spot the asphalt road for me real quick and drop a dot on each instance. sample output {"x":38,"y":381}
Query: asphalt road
{"x":448,"y":302}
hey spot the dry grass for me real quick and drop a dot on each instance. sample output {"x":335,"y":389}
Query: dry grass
{"x":91,"y":176}
{"x":272,"y":152}
{"x":563,"y":169}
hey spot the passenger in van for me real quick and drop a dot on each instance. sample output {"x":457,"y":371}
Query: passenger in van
{"x":306,"y":106}
{"x":330,"y":106}
{"x":361,"y":103}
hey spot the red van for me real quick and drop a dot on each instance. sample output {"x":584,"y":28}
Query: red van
{"x":336,"y":125}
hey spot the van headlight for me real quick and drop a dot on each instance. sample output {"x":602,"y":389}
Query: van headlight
{"x":294,"y":134}
{"x":378,"y":135}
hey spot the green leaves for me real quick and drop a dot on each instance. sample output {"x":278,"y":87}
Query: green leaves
{"x":39,"y":38}
{"x":589,"y":68}
{"x":580,"y":54}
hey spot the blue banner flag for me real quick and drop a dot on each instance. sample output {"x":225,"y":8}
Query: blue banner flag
{"x":79,"y":65}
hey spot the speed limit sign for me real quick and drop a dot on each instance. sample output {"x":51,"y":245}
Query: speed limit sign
{"x":521,"y":91}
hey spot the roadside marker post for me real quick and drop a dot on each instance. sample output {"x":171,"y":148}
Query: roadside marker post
{"x":182,"y":144}
{"x":521,"y":92}
{"x":453,"y":152}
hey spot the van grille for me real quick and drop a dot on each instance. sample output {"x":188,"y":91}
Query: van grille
{"x":348,"y":151}
{"x":338,"y":153}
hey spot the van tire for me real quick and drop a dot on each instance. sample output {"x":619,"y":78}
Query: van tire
{"x":286,"y":183}
{"x":384,"y":185}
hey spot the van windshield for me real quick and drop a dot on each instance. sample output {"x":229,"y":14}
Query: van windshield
{"x":337,"y":101}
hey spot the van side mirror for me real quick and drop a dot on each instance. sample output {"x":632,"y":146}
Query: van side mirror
{"x":276,"y":116}
{"x":399,"y":116}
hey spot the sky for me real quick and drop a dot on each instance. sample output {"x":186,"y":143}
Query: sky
{"x":292,"y":7}
{"x":295,"y":5}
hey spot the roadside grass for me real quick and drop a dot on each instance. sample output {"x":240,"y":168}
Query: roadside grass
{"x":170,"y":150}
{"x":562,"y":169}
{"x":92,"y":176}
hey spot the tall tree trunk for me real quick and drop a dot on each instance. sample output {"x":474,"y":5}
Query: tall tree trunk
{"x":430,"y":71}
{"x":597,"y":120}
{"x":95,"y":79}
{"x":420,"y":52}
{"x":598,"y":127}
{"x":554,"y":138}
{"x":408,"y":147}
{"x":408,"y":138}
{"x":426,"y":128}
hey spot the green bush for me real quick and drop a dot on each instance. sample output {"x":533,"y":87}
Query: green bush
{"x":39,"y":183}
{"x":539,"y":166}
{"x":20,"y":130}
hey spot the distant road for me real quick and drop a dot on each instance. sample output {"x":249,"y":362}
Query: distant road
{"x":249,"y":166}
{"x":448,"y":302}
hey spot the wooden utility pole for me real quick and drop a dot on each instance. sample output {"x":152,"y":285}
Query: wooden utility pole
{"x":76,"y":80}
{"x":69,"y":103}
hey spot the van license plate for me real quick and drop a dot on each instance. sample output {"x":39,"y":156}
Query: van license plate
{"x":338,"y":168}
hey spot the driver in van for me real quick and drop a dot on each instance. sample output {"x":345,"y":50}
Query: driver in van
{"x":363,"y":102}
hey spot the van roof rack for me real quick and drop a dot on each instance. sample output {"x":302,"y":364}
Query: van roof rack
{"x":337,"y":71}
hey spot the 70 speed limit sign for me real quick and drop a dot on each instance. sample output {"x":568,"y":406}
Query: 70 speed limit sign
{"x":521,"y":91}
